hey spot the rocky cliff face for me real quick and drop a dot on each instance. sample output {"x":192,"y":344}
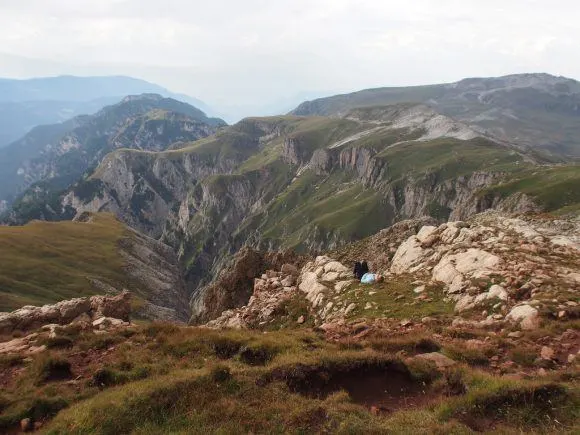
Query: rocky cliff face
{"x":59,"y":155}
{"x":494,"y":270}
{"x":155,"y":269}
{"x":307,"y":183}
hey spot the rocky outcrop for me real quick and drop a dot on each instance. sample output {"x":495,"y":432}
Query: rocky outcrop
{"x":495,"y":260}
{"x":271,"y":292}
{"x":378,"y":250}
{"x":237,"y":283}
{"x":92,"y":308}
{"x":318,"y":283}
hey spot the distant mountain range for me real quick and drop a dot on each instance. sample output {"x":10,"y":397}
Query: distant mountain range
{"x":25,"y":104}
{"x":537,"y":111}
{"x":337,"y":170}
{"x":59,"y":154}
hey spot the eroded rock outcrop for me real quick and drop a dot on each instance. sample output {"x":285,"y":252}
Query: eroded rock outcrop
{"x":497,"y":262}
{"x":91,"y":308}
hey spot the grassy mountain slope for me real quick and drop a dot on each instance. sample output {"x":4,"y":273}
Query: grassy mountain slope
{"x":45,"y":262}
{"x":536,"y":111}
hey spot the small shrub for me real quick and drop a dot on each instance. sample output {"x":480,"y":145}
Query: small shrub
{"x":58,"y":343}
{"x":476,"y":357}
{"x":51,"y":368}
{"x":7,"y":361}
{"x":106,"y":377}
{"x":220,"y":373}
{"x":225,"y":347}
{"x":350,"y":344}
{"x":125,"y":366}
{"x":522,"y":406}
{"x":100,"y":342}
{"x":44,"y":408}
{"x":405,"y":343}
{"x":423,"y":371}
{"x":4,"y":403}
{"x":454,"y":383}
{"x":257,"y":355}
{"x":158,"y":328}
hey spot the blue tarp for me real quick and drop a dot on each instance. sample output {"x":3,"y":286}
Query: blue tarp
{"x":368,"y":278}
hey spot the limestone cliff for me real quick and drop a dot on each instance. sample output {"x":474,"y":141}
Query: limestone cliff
{"x":311,"y":184}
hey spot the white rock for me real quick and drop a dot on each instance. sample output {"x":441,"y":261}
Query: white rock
{"x":425,"y":232}
{"x":342,"y":285}
{"x":440,"y":360}
{"x":350,"y":309}
{"x":465,"y":303}
{"x":310,"y":285}
{"x":450,"y":233}
{"x":335,"y":266}
{"x":497,"y":291}
{"x":445,"y":271}
{"x":408,"y":257}
{"x":419,"y":289}
{"x":524,"y":315}
{"x":330,"y":276}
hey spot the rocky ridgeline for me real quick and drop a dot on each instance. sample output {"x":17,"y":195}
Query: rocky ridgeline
{"x":512,"y":269}
{"x":496,"y":270}
{"x":99,"y":313}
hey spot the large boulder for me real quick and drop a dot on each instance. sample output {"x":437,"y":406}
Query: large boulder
{"x":409,"y":257}
{"x":526,"y":316}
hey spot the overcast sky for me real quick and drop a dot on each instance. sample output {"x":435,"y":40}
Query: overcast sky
{"x":256,"y":52}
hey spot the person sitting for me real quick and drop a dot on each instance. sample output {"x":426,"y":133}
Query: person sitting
{"x":364,"y":267}
{"x":371,"y":278}
{"x":357,"y":270}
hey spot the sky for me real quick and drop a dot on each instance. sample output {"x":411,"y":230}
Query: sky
{"x":253,"y":56}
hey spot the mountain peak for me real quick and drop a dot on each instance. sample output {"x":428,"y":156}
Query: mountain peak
{"x":142,"y":97}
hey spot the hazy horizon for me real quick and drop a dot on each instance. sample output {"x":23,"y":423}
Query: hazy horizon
{"x":246,"y":58}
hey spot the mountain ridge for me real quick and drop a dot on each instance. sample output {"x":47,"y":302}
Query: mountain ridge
{"x":27,"y":103}
{"x":65,"y":151}
{"x":534,"y":110}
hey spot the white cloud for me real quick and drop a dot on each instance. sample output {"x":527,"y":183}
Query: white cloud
{"x":232,"y":52}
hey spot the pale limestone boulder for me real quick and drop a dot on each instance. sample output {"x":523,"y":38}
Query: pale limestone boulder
{"x":445,"y":271}
{"x":330,"y":276}
{"x":526,"y":316}
{"x":289,"y":281}
{"x":465,"y":302}
{"x":409,"y":257}
{"x":474,"y":261}
{"x":497,"y":291}
{"x":425,"y":232}
{"x":73,"y":308}
{"x":450,"y":233}
{"x":118,"y":307}
{"x":310,"y":285}
{"x":335,"y":266}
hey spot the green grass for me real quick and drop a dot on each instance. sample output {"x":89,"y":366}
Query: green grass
{"x":44,"y":262}
{"x":449,"y":158}
{"x":554,"y":188}
{"x":395,"y":299}
{"x":163,"y":378}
